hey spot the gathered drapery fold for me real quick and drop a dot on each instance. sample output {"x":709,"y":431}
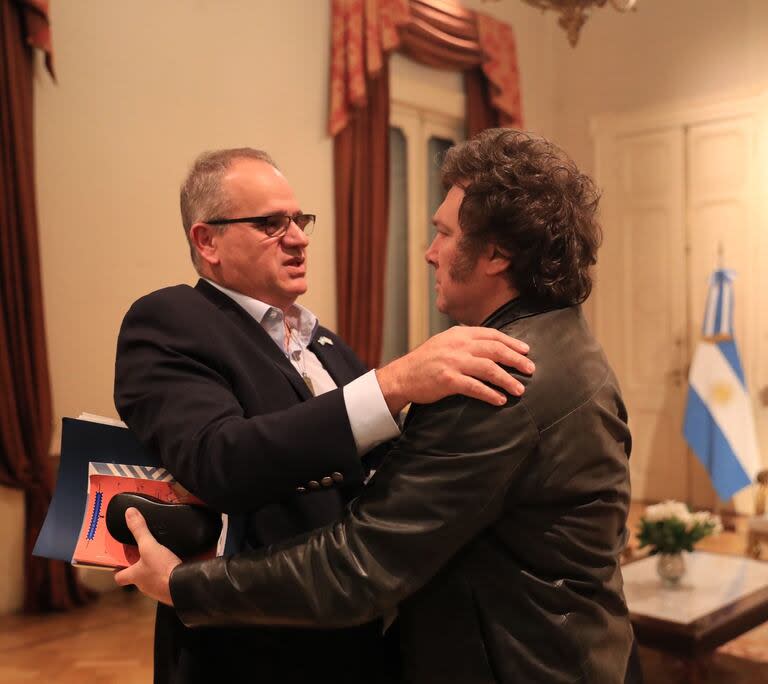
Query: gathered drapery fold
{"x":440,"y":34}
{"x":25,"y":400}
{"x":361,"y":161}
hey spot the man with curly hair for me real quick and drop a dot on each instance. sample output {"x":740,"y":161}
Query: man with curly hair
{"x":494,"y":532}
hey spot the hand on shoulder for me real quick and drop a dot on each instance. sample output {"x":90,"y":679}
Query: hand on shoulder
{"x":460,"y":360}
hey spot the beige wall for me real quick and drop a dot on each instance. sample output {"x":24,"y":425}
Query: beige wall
{"x":667,"y":51}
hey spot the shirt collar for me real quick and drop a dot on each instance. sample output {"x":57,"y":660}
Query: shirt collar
{"x":300,"y":319}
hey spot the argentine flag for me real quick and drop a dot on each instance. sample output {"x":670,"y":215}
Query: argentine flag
{"x":719,"y":425}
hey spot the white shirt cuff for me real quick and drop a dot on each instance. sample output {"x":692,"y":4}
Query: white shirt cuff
{"x":369,"y":417}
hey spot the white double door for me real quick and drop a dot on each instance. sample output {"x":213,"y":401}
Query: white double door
{"x":679,"y":189}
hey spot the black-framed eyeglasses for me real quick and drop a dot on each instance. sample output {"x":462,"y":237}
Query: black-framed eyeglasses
{"x":275,"y":225}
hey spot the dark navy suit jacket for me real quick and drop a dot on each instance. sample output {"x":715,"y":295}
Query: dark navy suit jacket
{"x":203,"y":386}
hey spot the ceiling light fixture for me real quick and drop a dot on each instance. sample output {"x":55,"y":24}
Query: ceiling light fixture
{"x":573,"y":13}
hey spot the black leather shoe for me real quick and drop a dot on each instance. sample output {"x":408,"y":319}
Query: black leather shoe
{"x":185,"y":529}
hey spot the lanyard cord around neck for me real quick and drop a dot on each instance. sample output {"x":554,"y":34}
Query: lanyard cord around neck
{"x":301,"y":360}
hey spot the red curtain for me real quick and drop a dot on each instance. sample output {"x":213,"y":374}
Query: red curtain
{"x":25,"y":399}
{"x":441,"y":34}
{"x":361,"y":160}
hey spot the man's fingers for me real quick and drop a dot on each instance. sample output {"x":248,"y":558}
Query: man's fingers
{"x":511,"y":342}
{"x":519,"y":362}
{"x":496,"y":375}
{"x":489,"y":372}
{"x":518,"y":345}
{"x":478,"y":333}
{"x":126,"y":576}
{"x":502,"y":354}
{"x":478,"y":390}
{"x":138,"y":527}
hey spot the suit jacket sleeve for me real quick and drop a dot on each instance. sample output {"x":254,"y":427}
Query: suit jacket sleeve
{"x":444,"y":481}
{"x":182,"y":407}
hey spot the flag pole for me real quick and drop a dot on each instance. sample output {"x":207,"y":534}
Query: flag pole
{"x":719,"y":504}
{"x":718,"y":500}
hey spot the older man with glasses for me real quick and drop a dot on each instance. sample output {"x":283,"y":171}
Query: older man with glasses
{"x":268,"y":416}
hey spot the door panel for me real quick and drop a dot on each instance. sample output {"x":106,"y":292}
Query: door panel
{"x":640,"y":300}
{"x":721,"y":205}
{"x":681,"y":198}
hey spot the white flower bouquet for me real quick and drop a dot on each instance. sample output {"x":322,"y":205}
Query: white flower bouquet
{"x":670,"y":527}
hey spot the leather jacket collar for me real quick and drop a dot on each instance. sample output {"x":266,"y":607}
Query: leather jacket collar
{"x":519,"y":307}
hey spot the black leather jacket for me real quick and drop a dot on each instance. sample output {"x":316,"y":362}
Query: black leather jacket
{"x":495,"y":532}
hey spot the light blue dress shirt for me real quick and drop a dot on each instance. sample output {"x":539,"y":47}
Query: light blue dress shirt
{"x":369,"y":417}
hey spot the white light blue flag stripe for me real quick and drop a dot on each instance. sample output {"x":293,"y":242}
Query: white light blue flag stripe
{"x":723,"y":437}
{"x":718,"y":314}
{"x":719,"y":424}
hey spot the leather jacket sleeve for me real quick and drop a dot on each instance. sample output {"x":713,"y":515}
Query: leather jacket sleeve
{"x":443,"y":482}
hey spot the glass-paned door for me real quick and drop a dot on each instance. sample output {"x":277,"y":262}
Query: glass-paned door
{"x":417,"y":144}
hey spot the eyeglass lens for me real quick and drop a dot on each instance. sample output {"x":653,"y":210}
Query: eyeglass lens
{"x":280,"y":223}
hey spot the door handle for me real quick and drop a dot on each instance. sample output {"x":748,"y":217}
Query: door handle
{"x":678,"y":375}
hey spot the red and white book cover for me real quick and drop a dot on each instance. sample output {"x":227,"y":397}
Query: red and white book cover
{"x":95,"y":545}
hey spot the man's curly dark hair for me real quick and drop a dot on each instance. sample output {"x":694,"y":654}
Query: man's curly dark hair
{"x":527,"y":197}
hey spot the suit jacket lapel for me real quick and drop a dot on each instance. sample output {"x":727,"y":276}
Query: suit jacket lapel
{"x":265,"y":344}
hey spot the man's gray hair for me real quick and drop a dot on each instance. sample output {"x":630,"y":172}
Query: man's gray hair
{"x":202,"y":197}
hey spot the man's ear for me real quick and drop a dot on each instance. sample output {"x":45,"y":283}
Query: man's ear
{"x":497,"y":260}
{"x":204,"y":239}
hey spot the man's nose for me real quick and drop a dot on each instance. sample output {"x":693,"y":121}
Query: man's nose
{"x":295,"y":235}
{"x":429,"y":255}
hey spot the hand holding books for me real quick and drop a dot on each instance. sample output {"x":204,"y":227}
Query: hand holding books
{"x":100,"y":461}
{"x":185,"y":529}
{"x":153,"y":564}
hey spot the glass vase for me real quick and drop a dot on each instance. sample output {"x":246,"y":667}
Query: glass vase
{"x":671,"y":568}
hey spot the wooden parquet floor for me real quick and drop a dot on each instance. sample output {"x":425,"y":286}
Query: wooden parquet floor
{"x":110,"y":641}
{"x":106,"y":642}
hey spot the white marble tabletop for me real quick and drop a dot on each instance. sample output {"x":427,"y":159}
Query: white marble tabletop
{"x":712,"y":581}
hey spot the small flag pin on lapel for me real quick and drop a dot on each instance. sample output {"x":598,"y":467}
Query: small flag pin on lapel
{"x":324,"y":340}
